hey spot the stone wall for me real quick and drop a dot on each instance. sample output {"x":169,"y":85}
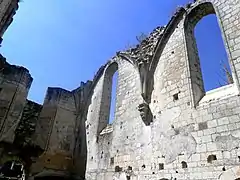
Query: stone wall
{"x":59,"y":132}
{"x":8,"y":9}
{"x":27,"y":125}
{"x":14,"y":86}
{"x":55,"y":130}
{"x":166,"y":126}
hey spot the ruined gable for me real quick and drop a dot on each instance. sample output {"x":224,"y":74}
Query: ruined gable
{"x":163,"y":114}
{"x":166,"y":126}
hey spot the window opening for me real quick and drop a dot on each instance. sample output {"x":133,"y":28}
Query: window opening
{"x":108,"y":99}
{"x":113,"y":98}
{"x":206,"y":51}
{"x":214,"y":63}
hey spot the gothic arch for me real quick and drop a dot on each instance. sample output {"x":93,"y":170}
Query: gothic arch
{"x":197,"y":12}
{"x":140,"y":72}
{"x":159,"y":49}
{"x":110,"y":69}
{"x":102,"y":70}
{"x":193,"y":16}
{"x":169,"y":29}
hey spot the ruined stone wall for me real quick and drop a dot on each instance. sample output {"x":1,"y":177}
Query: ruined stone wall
{"x":8,"y":9}
{"x":27,"y":125}
{"x":51,"y":127}
{"x":106,"y":141}
{"x":82,"y":102}
{"x":192,"y":134}
{"x":165,"y":127}
{"x":55,"y":131}
{"x":14,"y":86}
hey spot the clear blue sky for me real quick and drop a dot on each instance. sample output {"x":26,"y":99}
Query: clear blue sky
{"x":65,"y":42}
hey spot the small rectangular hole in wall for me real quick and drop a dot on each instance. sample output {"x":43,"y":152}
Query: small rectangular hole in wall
{"x":211,"y":158}
{"x":0,"y":89}
{"x":202,"y":126}
{"x":129,"y":168}
{"x":118,"y":169}
{"x":175,"y":97}
{"x":184,"y":165}
{"x":112,"y":160}
{"x":161,"y":166}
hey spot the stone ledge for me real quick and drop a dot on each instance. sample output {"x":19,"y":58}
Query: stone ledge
{"x":219,"y":94}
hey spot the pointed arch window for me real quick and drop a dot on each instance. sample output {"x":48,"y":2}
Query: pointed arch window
{"x":109,"y":98}
{"x":207,"y":57}
{"x":214,"y":63}
{"x":113,"y":98}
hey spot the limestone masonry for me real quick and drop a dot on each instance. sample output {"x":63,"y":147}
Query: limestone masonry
{"x":166,"y":127}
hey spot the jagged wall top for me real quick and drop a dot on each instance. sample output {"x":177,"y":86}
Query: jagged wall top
{"x":8,"y":10}
{"x":15,"y":73}
{"x":145,"y":50}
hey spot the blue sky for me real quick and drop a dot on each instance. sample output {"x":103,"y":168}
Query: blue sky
{"x":65,"y":42}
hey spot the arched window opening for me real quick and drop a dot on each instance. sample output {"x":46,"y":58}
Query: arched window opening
{"x":214,"y":63}
{"x":207,"y":58}
{"x":113,"y":98}
{"x":108,"y":100}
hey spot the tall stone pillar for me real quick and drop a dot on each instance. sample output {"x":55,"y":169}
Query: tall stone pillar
{"x":15,"y":82}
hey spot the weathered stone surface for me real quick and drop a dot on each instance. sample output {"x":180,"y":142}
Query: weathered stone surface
{"x":8,"y":9}
{"x":231,"y":173}
{"x":15,"y":84}
{"x":27,"y":125}
{"x":227,"y":143}
{"x":188,"y":123}
{"x":165,"y":127}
